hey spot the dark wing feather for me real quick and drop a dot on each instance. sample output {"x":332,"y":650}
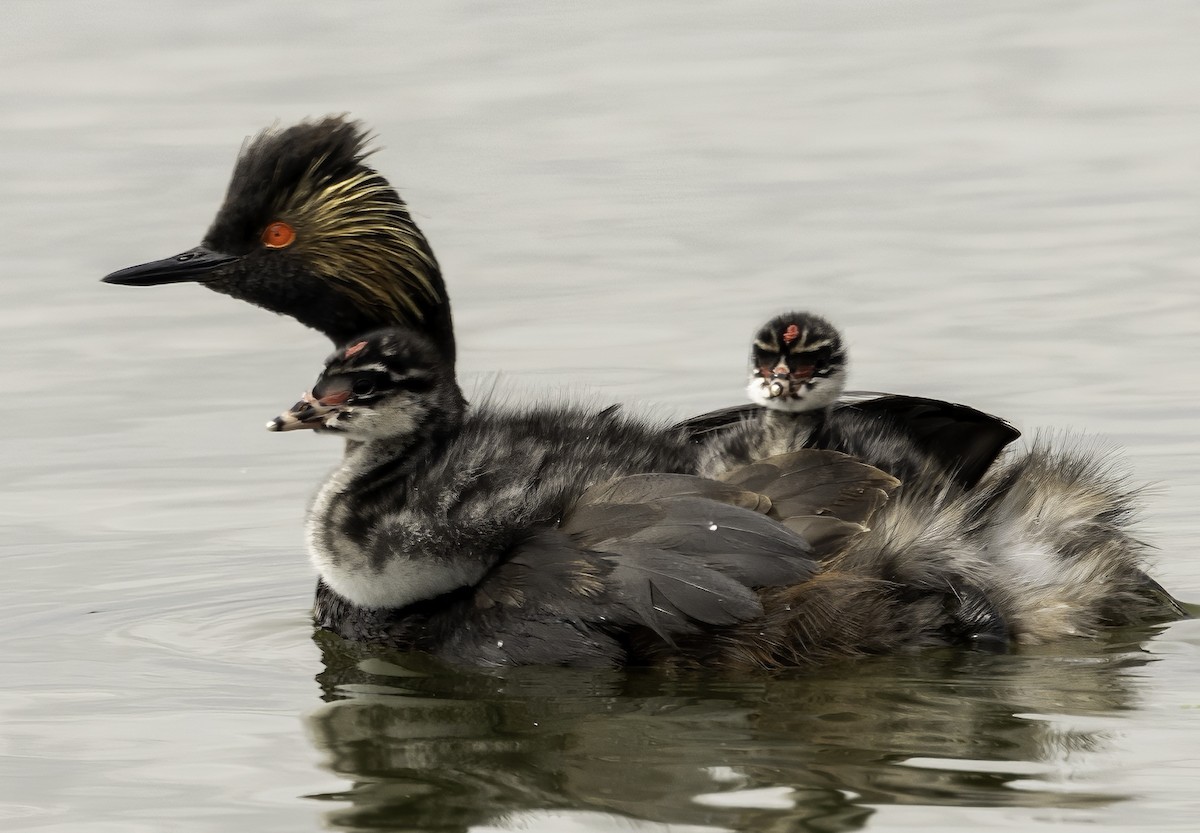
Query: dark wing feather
{"x":826,"y":535}
{"x":685,"y":552}
{"x":670,"y":555}
{"x":671,"y":592}
{"x":641,"y":488}
{"x":545,"y":605}
{"x":702,"y":527}
{"x":965,"y":440}
{"x":555,"y":602}
{"x":589,"y":524}
{"x":698,"y":428}
{"x":813,"y":482}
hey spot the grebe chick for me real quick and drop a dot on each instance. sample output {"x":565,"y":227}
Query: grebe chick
{"x":797,"y":364}
{"x":552,"y":535}
{"x":798,"y":368}
{"x":1034,"y":549}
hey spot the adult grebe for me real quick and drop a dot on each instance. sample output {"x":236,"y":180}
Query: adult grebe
{"x":308,"y":229}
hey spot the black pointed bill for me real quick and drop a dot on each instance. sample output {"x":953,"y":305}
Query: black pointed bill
{"x":192,"y":265}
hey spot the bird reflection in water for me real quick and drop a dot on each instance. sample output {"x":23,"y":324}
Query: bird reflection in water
{"x":439,"y":749}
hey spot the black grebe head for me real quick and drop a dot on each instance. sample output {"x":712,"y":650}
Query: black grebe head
{"x":797,"y":363}
{"x":309,"y":230}
{"x":387,"y":385}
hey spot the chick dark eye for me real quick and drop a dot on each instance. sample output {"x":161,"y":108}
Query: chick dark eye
{"x":363,"y":387}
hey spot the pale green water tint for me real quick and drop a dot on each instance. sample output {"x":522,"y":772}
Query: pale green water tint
{"x":998,"y":206}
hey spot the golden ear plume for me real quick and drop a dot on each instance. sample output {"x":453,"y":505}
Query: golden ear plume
{"x":358,"y":234}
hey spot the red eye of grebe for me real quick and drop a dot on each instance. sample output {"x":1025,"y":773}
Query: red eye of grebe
{"x":278,"y":235}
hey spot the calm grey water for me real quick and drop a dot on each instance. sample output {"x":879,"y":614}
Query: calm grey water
{"x":999,"y":206}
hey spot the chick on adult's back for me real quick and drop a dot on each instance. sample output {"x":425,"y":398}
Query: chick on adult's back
{"x":1035,"y":547}
{"x":798,"y":368}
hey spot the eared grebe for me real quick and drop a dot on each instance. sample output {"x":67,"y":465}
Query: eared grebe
{"x":309,"y":230}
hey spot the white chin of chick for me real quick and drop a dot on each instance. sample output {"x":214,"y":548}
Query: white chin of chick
{"x":823,"y":393}
{"x":365,"y":424}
